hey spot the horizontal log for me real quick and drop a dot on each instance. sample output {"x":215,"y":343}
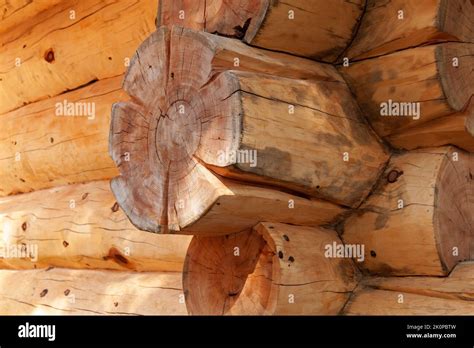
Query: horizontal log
{"x":409,"y":88}
{"x":218,"y":206}
{"x":80,"y":226}
{"x":69,"y":49}
{"x":416,"y":295}
{"x":384,"y":29}
{"x":88,"y":292}
{"x":43,"y":146}
{"x":282,"y":26}
{"x":243,"y":113}
{"x":276,"y":269}
{"x":418,"y":220}
{"x":13,"y":13}
{"x":456,"y":129}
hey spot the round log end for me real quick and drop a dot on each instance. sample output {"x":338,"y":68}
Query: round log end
{"x":180,"y":115}
{"x":454,"y":202}
{"x":455,"y":62}
{"x":273,"y":269}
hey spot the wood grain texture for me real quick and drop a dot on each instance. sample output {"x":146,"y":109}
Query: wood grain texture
{"x":456,"y":129}
{"x":58,"y":53}
{"x":81,"y":226}
{"x":88,"y":292}
{"x":419,"y":236}
{"x":279,"y":270}
{"x":421,"y":295}
{"x":424,"y":75}
{"x":40,"y":149}
{"x":382,"y":31}
{"x":286,"y":26}
{"x":193,"y":112}
{"x":14,"y":12}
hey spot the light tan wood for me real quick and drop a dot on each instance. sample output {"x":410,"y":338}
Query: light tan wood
{"x":191,"y":116}
{"x":281,"y":26}
{"x":382,"y":30}
{"x":419,"y":212}
{"x":416,"y":295}
{"x":88,"y":292}
{"x":40,"y":149}
{"x":456,"y":129}
{"x":424,"y":75}
{"x":58,"y":53}
{"x":81,"y":226}
{"x":225,"y":207}
{"x":277,"y":269}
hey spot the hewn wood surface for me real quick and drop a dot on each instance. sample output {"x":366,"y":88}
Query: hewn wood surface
{"x":456,"y":129}
{"x":416,"y":295}
{"x":419,"y":212}
{"x":424,"y":75}
{"x":81,"y":226}
{"x":191,"y":112}
{"x":61,"y":291}
{"x":288,"y":26}
{"x":278,"y":269}
{"x":383,"y":30}
{"x":58,"y":53}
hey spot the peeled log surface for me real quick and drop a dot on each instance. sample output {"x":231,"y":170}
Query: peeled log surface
{"x":191,"y":114}
{"x":86,"y":292}
{"x":39,"y":149}
{"x":14,"y":12}
{"x":279,"y":270}
{"x":421,"y":295}
{"x":437,"y":194}
{"x":81,"y":226}
{"x":271,"y":24}
{"x":456,"y":129}
{"x":424,"y":22}
{"x":58,"y":53}
{"x":424,"y":74}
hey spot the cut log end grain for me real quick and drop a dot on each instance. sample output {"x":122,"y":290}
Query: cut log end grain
{"x":281,"y":26}
{"x":421,"y":222}
{"x":202,"y":105}
{"x":272,"y":269}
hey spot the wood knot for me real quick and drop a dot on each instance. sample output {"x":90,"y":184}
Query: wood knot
{"x":43,"y":293}
{"x":285,"y":237}
{"x":373,"y":253}
{"x":65,"y":244}
{"x":115,"y":255}
{"x":115,"y":207}
{"x":116,"y":304}
{"x":24,"y":226}
{"x":393,"y":176}
{"x":67,"y":292}
{"x":291,"y":259}
{"x":84,"y":196}
{"x":49,"y":56}
{"x":280,"y":254}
